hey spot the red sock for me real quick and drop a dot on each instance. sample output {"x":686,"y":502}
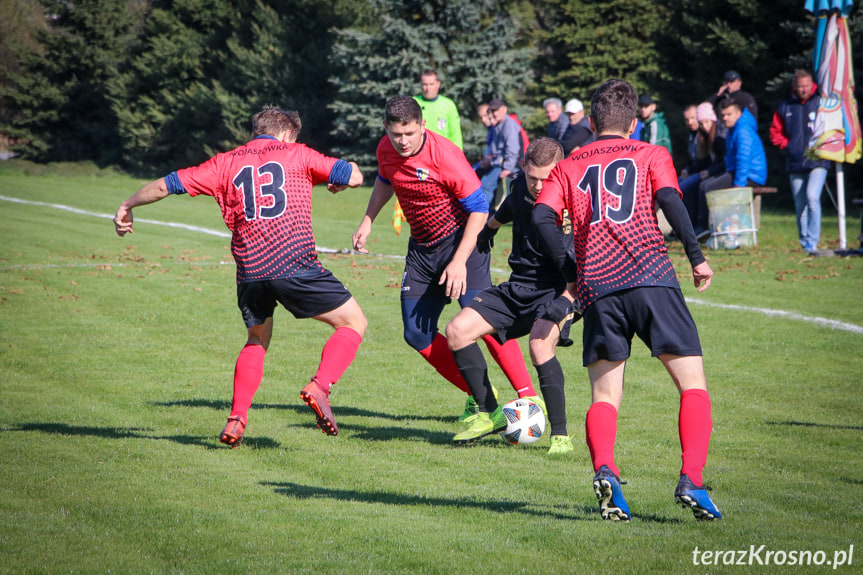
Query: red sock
{"x":338,"y":353}
{"x":694,"y":424}
{"x":247,"y":378}
{"x":508,"y":357}
{"x":440,"y":357}
{"x":600,"y":428}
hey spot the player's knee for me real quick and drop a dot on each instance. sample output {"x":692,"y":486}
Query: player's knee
{"x":417,"y":338}
{"x":455,"y":333}
{"x":541,"y":350}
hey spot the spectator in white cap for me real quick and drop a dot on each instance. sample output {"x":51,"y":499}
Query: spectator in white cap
{"x":578,"y":134}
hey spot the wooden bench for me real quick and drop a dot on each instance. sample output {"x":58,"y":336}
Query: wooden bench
{"x":756,"y":202}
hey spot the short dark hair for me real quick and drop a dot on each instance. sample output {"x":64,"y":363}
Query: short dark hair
{"x":728,"y":102}
{"x":543,"y":152}
{"x":404,"y":110}
{"x":430,"y":72}
{"x":272,"y":121}
{"x":613,"y":106}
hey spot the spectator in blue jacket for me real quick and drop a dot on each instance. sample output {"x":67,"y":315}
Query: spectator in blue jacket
{"x":790,"y":131}
{"x":745,"y":161}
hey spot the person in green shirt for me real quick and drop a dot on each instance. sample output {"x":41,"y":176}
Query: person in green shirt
{"x":439,"y":112}
{"x":655,"y":129}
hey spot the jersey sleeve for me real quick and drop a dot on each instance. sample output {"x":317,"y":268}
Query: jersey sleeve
{"x":456,"y":173}
{"x":383,"y":167}
{"x":552,"y":194}
{"x":319,"y":166}
{"x":202,"y":179}
{"x":663,"y":173}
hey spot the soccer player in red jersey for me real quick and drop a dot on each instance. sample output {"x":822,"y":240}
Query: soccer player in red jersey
{"x":443,"y":202}
{"x":533,"y":302}
{"x":264,"y":189}
{"x":627,"y":285}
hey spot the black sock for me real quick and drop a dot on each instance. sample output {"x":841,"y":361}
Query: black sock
{"x":550,"y":376}
{"x":471,"y":363}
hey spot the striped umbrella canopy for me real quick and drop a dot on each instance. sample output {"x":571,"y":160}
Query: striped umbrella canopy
{"x":836,"y":135}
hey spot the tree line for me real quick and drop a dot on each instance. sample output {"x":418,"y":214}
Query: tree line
{"x":154,"y":85}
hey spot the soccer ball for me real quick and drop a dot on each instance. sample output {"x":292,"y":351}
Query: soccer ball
{"x":525,"y":422}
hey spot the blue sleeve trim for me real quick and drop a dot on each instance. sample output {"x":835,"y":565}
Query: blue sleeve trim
{"x":475,"y":202}
{"x":174,"y":185}
{"x":340,"y":175}
{"x":384,"y":180}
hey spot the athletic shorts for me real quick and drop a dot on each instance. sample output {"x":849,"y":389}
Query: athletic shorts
{"x":657,"y":315}
{"x":424,"y":266}
{"x":512,"y":308}
{"x":304,"y":296}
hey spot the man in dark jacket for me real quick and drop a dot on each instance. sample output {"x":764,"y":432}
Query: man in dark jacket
{"x":790,"y":131}
{"x":731,"y":90}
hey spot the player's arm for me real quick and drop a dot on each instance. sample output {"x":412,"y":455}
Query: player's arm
{"x":344,"y":175}
{"x":454,"y":276}
{"x":381,"y":194}
{"x":675,"y":212}
{"x":152,"y":192}
{"x":555,"y":242}
{"x":503,"y":215}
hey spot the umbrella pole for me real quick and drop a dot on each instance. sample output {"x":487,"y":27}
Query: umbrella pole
{"x":840,"y":204}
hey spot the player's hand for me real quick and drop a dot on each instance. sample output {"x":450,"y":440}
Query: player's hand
{"x":123,"y":221}
{"x":454,"y":278}
{"x":485,"y":240}
{"x":702,"y":274}
{"x":361,"y":235}
{"x":335,"y":188}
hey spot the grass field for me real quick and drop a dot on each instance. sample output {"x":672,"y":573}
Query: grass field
{"x":116,"y":357}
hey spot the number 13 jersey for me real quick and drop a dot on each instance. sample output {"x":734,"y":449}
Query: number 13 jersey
{"x":264,"y":189}
{"x":609,"y":188}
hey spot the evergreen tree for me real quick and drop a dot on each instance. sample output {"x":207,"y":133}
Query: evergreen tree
{"x":583,"y":43}
{"x":471,"y":44}
{"x":53,"y":99}
{"x":205,"y":67}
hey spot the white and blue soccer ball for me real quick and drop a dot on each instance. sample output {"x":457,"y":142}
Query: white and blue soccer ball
{"x":525,"y":422}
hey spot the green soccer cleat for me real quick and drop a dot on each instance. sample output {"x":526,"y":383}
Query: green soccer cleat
{"x":471,"y":410}
{"x":484,"y":424}
{"x":560,"y":445}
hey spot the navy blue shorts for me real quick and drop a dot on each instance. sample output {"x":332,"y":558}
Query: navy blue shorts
{"x":304,"y":296}
{"x":424,"y":266}
{"x":512,"y":308}
{"x":657,"y":315}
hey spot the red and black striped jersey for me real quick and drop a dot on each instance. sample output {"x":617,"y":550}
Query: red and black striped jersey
{"x":609,"y":188}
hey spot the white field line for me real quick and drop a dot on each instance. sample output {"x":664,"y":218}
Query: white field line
{"x":832,"y":324}
{"x":824,"y":322}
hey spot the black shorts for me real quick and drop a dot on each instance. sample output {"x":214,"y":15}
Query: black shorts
{"x":424,"y":266}
{"x":512,"y":308}
{"x":304,"y":296}
{"x":658,"y":315}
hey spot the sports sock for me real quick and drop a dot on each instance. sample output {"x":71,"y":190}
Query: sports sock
{"x":695,"y":425}
{"x":338,"y":353}
{"x":248,"y":373}
{"x":440,"y":358}
{"x":550,"y":376}
{"x":508,"y":357}
{"x":600,"y":428}
{"x":471,"y":363}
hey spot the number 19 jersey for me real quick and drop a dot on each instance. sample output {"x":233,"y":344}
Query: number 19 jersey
{"x":264,"y":189}
{"x":609,"y":188}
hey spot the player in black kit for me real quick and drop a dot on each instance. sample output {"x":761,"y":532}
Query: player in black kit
{"x":530,"y":302}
